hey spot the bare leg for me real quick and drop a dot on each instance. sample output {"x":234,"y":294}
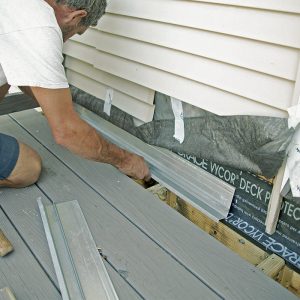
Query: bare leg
{"x":26,"y":171}
{"x":28,"y":166}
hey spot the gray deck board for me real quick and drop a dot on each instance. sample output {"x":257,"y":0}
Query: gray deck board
{"x":210,"y":261}
{"x":21,"y":272}
{"x":16,"y":102}
{"x":21,"y":207}
{"x":147,"y":267}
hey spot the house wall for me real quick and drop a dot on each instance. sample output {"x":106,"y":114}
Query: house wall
{"x":226,"y":56}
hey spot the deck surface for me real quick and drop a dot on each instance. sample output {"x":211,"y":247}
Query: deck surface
{"x":152,"y":251}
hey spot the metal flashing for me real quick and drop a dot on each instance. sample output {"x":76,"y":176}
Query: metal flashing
{"x":204,"y":191}
{"x":80,"y":271}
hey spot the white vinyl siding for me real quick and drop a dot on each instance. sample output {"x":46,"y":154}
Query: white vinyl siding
{"x":226,"y":56}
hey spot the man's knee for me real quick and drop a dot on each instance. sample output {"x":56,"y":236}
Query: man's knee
{"x":27,"y":169}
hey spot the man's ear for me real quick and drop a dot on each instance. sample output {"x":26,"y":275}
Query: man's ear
{"x":74,"y":17}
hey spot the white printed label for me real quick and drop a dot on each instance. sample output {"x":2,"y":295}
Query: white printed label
{"x":108,"y":101}
{"x":179,"y":122}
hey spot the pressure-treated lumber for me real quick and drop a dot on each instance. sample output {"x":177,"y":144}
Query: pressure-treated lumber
{"x":192,"y":248}
{"x":275,"y":202}
{"x":272,"y":265}
{"x":294,"y":284}
{"x":160,"y":191}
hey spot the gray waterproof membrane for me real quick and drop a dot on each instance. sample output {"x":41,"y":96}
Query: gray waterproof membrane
{"x":249,"y":143}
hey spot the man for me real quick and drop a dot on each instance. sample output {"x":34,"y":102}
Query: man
{"x":32,"y":33}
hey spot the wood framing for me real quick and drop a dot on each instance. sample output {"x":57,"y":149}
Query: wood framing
{"x":275,"y":202}
{"x":272,"y":265}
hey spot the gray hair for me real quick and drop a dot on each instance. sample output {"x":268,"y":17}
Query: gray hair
{"x":95,"y":9}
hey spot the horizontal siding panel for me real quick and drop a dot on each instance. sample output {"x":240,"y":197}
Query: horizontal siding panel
{"x":262,"y":57}
{"x":236,"y":80}
{"x":211,"y":99}
{"x":292,"y":6}
{"x":296,"y":94}
{"x":268,"y":26}
{"x":132,"y":106}
{"x":80,"y":51}
{"x":132,"y":89}
{"x":208,"y":98}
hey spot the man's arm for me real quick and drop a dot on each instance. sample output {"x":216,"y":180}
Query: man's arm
{"x":4,"y":90}
{"x":79,"y":137}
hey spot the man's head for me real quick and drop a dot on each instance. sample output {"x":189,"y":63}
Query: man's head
{"x":75,"y":16}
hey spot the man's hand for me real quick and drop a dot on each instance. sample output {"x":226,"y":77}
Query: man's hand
{"x":134,"y":166}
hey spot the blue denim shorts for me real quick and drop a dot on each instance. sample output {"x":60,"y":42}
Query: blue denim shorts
{"x":9,"y":153}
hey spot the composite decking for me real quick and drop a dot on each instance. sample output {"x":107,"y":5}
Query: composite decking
{"x":152,"y":251}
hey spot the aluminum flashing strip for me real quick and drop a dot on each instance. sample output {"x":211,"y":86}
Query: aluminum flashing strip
{"x":204,"y":191}
{"x":79,"y":268}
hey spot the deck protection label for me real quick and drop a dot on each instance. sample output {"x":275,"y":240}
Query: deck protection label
{"x":249,"y":209}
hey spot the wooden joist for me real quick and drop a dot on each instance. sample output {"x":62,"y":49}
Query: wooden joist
{"x":272,"y":265}
{"x":275,"y":202}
